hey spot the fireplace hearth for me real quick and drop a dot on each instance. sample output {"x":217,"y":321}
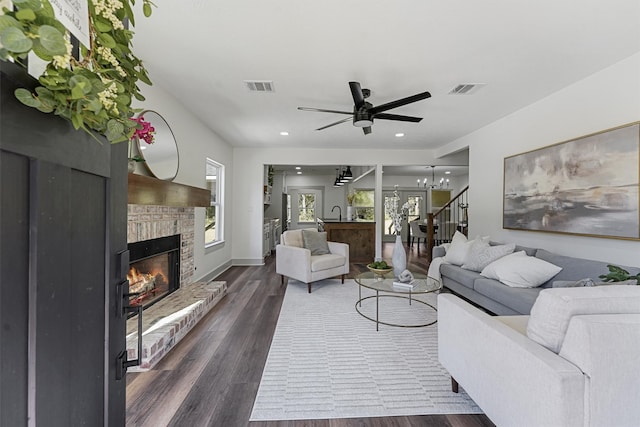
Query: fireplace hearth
{"x":154,"y":269}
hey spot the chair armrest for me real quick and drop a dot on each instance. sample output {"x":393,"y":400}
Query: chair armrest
{"x":293,"y":262}
{"x":504,"y":371}
{"x":339,"y":249}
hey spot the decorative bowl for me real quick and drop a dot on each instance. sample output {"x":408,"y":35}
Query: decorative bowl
{"x":380,"y":272}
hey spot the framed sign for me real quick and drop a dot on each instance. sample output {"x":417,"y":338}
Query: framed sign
{"x":74,"y":15}
{"x":584,"y":186}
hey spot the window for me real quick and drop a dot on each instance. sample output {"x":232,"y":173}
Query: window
{"x":213,"y":226}
{"x":363,"y":204}
{"x":306,"y":207}
{"x":415,"y":207}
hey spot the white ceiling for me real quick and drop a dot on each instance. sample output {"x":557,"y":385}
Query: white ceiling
{"x":202,"y":51}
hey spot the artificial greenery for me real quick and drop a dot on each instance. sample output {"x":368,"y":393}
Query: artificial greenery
{"x":618,"y":274}
{"x":94,"y":92}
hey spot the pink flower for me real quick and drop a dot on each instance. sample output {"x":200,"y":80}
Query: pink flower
{"x":144,"y":130}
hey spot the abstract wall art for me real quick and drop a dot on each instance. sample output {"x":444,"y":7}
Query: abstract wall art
{"x":584,"y":186}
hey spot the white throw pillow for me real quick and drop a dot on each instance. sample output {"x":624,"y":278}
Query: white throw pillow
{"x":520,"y":271}
{"x":458,"y":250}
{"x":554,"y":308}
{"x":482,"y":254}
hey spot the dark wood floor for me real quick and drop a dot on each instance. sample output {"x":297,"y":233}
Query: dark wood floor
{"x":211,"y":378}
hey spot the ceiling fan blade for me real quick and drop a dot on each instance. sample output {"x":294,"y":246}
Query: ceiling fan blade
{"x":321,"y":110}
{"x":336,"y":123}
{"x":399,"y":102}
{"x":386,"y":116}
{"x":356,"y":92}
{"x":366,"y":130}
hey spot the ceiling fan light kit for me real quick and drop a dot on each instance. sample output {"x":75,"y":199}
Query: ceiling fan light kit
{"x":364,"y":112}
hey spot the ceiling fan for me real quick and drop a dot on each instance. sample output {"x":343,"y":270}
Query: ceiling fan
{"x":364,"y":112}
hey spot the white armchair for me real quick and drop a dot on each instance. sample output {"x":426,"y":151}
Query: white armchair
{"x":295,"y":261}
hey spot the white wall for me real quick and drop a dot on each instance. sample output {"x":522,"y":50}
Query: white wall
{"x":195,"y":143}
{"x":604,"y":100}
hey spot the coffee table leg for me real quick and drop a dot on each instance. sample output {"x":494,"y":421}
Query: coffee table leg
{"x":377,"y":295}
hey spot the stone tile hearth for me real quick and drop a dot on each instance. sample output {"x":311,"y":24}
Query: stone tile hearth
{"x":166,"y":322}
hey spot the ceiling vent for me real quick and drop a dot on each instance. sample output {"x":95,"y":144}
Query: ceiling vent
{"x":466,"y":88}
{"x":260,"y":85}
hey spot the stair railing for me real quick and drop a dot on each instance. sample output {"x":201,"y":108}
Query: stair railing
{"x":452,"y":217}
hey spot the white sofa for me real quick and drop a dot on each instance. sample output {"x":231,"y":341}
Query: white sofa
{"x":592,"y":380}
{"x":295,"y":261}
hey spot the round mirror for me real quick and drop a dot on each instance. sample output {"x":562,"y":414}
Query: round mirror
{"x":161,"y":157}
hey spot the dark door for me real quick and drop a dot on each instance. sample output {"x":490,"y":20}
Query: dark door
{"x":63,"y":204}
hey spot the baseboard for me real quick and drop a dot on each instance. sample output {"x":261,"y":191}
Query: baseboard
{"x":215,"y":272}
{"x":247,"y":262}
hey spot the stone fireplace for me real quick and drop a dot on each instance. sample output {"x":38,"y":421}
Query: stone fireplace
{"x":162,"y":214}
{"x":147,"y":222}
{"x":154,"y":269}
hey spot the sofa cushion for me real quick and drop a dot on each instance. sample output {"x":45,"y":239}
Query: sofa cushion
{"x":588,"y":282}
{"x":518,"y":299}
{"x":460,"y":275}
{"x":517,"y":323}
{"x":316,"y":242}
{"x":482,"y":254}
{"x":520,"y":271}
{"x":554,"y":308}
{"x":325,"y":262}
{"x":576,"y":268}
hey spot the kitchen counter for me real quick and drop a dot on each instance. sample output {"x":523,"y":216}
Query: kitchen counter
{"x":360,"y":235}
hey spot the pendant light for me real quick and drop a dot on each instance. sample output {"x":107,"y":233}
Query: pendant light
{"x":337,"y":182}
{"x":347,"y":174}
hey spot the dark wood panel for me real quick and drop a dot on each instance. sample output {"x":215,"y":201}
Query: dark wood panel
{"x":14,"y":288}
{"x":48,"y":173}
{"x":31,"y":133}
{"x":52,"y":252}
{"x":360,"y":236}
{"x":117,"y":243}
{"x":88,"y":211}
{"x":145,"y":190}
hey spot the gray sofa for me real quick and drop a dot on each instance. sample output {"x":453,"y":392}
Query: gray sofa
{"x":501,"y":299}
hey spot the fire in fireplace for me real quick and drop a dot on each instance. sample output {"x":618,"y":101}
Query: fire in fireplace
{"x":154,"y":269}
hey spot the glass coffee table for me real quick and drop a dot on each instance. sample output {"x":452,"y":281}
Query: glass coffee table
{"x":384,"y":284}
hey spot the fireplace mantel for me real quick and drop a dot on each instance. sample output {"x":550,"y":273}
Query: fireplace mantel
{"x":145,"y":190}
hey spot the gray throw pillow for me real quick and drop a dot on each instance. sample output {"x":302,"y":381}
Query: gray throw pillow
{"x":316,"y":242}
{"x":481,"y":254}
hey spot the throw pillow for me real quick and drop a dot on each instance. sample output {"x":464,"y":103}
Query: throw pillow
{"x":481,"y":254}
{"x":457,"y":252}
{"x":316,"y":242}
{"x":554,"y":308}
{"x":520,"y":271}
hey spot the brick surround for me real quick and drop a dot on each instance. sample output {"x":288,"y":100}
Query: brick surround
{"x":149,"y":222}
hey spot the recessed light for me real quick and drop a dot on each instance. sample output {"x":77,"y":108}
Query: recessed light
{"x":399,"y":135}
{"x":447,"y":173}
{"x":284,"y":133}
{"x":299,"y":172}
{"x":143,"y":148}
{"x":298,"y":168}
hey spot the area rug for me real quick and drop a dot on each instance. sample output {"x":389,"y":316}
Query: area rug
{"x":327,"y":361}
